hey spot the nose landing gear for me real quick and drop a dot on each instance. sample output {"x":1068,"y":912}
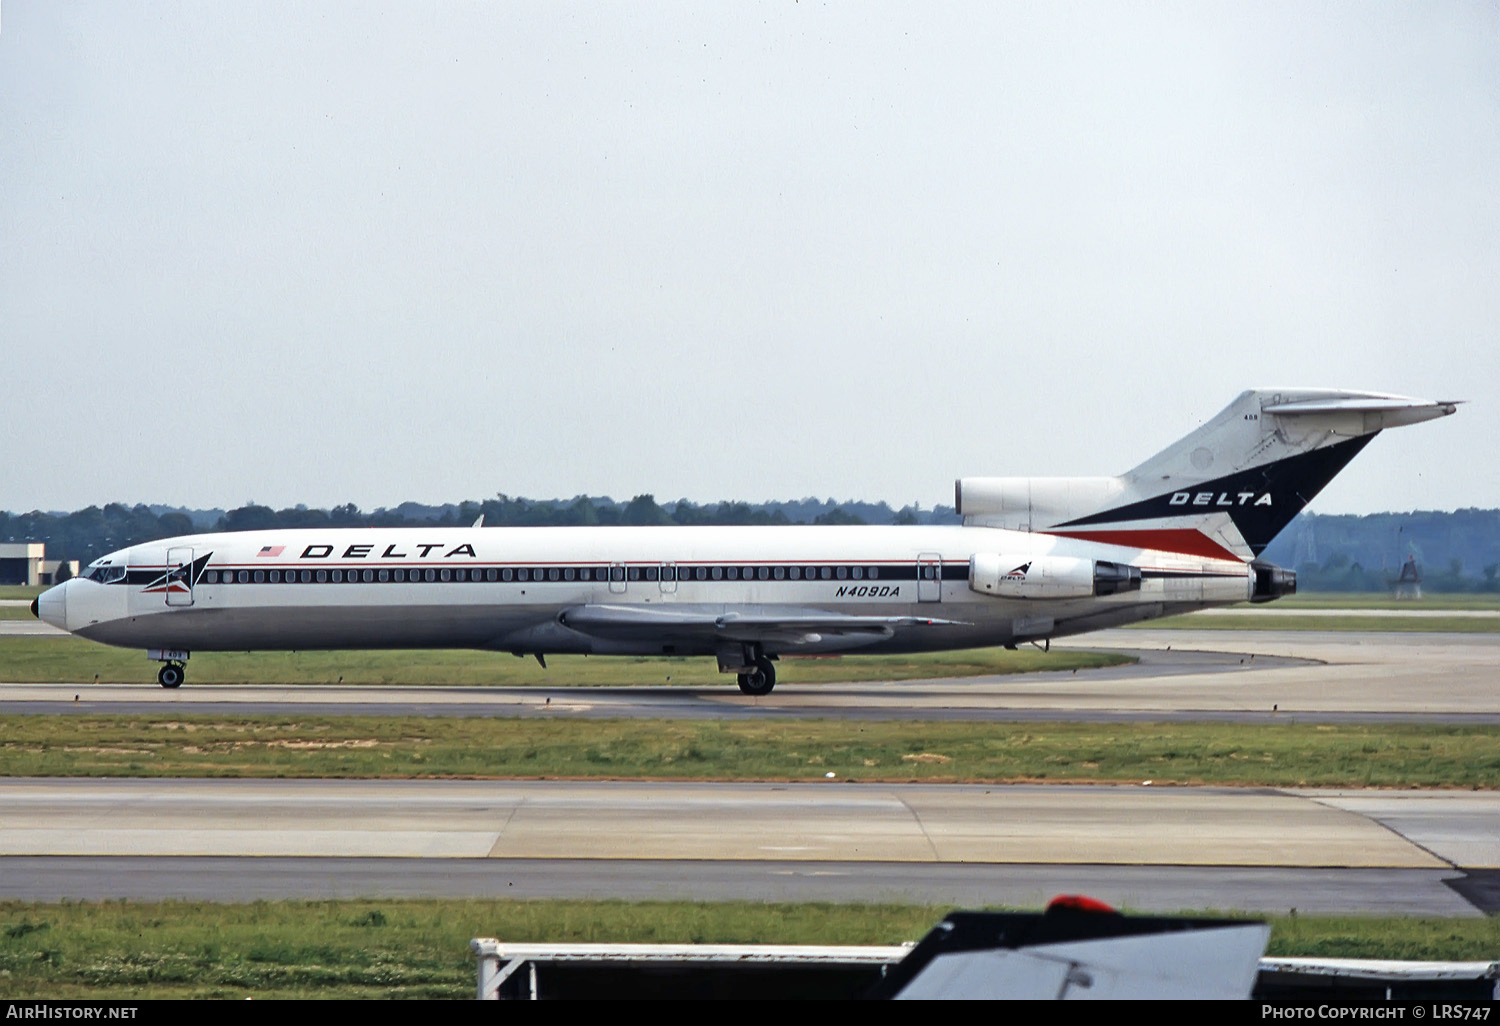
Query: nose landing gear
{"x":173,"y":660}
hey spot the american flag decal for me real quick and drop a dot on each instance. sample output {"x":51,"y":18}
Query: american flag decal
{"x":270,"y":550}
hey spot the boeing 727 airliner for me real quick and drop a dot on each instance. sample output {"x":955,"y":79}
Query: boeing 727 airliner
{"x":1035,"y":559}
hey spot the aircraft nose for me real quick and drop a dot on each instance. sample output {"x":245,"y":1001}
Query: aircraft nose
{"x":33,"y":609}
{"x":51,"y":606}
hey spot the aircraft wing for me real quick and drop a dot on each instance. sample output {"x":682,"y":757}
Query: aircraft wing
{"x":688,"y":623}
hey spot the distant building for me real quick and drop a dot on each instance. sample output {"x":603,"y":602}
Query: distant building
{"x":27,"y":563}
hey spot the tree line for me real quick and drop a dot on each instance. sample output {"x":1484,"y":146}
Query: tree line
{"x":1453,"y":551}
{"x":87,"y":534}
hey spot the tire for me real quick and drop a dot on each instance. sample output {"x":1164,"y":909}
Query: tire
{"x":762,"y":680}
{"x":171,"y":676}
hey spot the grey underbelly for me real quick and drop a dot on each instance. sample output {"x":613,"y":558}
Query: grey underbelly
{"x":320,"y":627}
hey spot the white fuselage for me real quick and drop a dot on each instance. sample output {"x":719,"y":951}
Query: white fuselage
{"x":512,"y":589}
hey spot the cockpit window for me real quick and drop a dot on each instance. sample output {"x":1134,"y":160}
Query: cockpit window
{"x":106,"y":574}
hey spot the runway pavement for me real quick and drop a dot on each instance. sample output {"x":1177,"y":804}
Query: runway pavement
{"x":820,"y":822}
{"x":1277,"y":890}
{"x":1273,"y":849}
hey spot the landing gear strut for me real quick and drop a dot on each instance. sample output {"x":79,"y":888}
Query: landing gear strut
{"x":171,"y":675}
{"x":761,"y":680}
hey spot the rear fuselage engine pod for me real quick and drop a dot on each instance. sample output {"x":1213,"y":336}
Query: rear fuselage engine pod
{"x":1049,"y":577}
{"x":1032,"y":503}
{"x":1272,"y":581}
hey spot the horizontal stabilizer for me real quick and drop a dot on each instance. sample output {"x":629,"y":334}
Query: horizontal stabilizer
{"x":1419,"y":409}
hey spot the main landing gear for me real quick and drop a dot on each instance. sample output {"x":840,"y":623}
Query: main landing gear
{"x":760,"y":680}
{"x":171,"y":675}
{"x":756,"y":672}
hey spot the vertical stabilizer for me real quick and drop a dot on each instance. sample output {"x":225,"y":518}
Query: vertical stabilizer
{"x":1240,"y":478}
{"x":1224,"y":491}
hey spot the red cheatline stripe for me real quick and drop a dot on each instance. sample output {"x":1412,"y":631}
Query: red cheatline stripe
{"x":1184,"y":540}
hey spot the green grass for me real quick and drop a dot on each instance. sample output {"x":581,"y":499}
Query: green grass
{"x":1250,"y":621}
{"x":294,"y":746}
{"x":1380,"y":600}
{"x":63,"y":659}
{"x":1250,"y":618}
{"x":374,"y":949}
{"x":19,"y":591}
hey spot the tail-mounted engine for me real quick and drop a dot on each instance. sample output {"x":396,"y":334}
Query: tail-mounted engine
{"x":1272,"y":582}
{"x":1044,"y":577}
{"x":1031,"y":503}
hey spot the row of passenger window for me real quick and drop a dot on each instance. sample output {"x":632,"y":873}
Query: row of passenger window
{"x":759,"y":573}
{"x":668,"y":572}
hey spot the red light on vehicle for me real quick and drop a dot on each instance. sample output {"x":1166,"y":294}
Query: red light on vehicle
{"x":1079,"y":903}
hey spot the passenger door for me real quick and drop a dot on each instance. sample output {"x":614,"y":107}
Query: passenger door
{"x":179,"y":577}
{"x":929,"y":577}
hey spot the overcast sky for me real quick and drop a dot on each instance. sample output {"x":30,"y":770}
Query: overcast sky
{"x":360,"y":252}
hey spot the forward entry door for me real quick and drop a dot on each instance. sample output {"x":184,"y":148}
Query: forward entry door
{"x":179,"y":577}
